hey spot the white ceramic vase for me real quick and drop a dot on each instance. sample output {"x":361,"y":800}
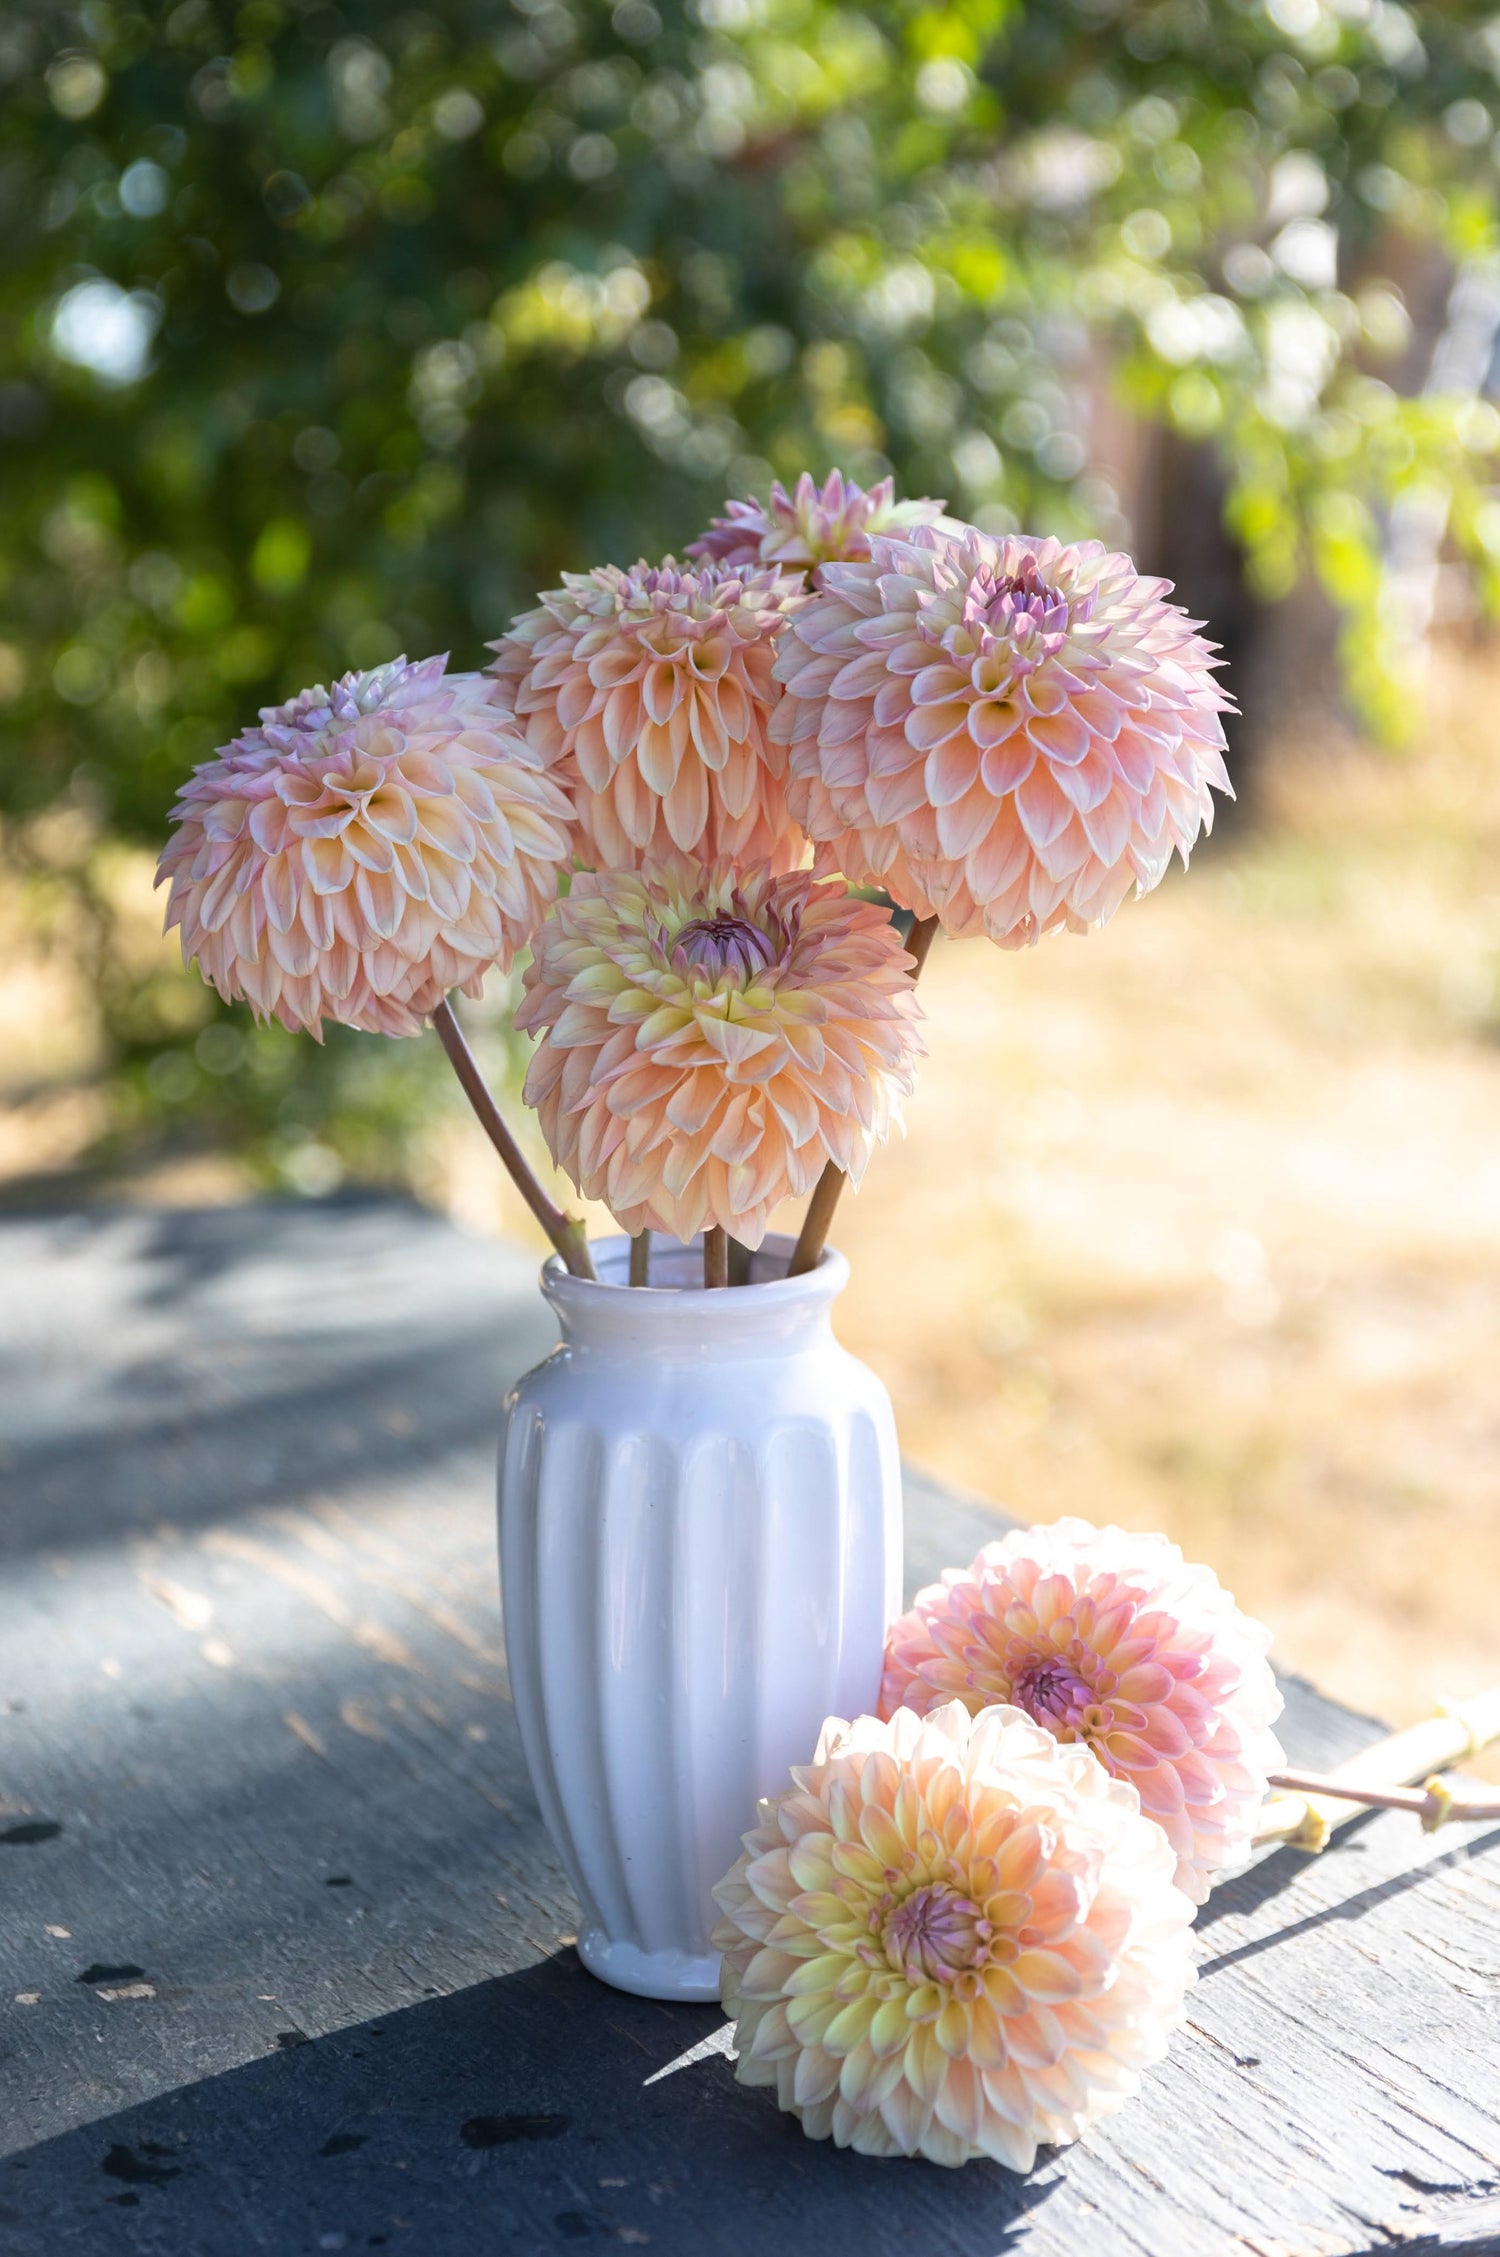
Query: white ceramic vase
{"x":700,"y":1543}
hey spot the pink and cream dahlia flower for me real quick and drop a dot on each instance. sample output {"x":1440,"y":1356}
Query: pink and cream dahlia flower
{"x":711,"y":1037}
{"x":1114,"y":1641}
{"x":953,"y":1937}
{"x":813,"y":525}
{"x":364,"y":849}
{"x":652,"y":690}
{"x":1008,"y":734}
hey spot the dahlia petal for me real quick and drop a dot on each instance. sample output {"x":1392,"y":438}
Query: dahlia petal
{"x":710,"y":737}
{"x":218,"y":899}
{"x":621,"y":721}
{"x":1108,"y":827}
{"x":929,"y":725}
{"x":657,"y":757}
{"x":906,"y":2118}
{"x":1007,"y":764}
{"x":1087,"y":782}
{"x":394,"y":812}
{"x":963,"y":826}
{"x":685,"y":808}
{"x":1042,"y":807}
{"x":939,"y":685}
{"x":889,"y":800}
{"x":961,"y":2106}
{"x":661,"y":688}
{"x":595,"y":761}
{"x":949,"y":771}
{"x":631,"y":804}
{"x":995,"y":722}
{"x":1063,"y":736}
{"x":279,"y":893}
{"x":860,"y":677}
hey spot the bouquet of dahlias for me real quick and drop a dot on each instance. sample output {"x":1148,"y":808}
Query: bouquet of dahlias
{"x":726,"y":805}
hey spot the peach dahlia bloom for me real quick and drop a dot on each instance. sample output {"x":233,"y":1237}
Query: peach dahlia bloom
{"x":813,"y":525}
{"x":1009,"y":734}
{"x":952,"y":1938}
{"x":652,"y":691}
{"x":1112,"y":1640}
{"x":711,"y":1037}
{"x":364,"y":849}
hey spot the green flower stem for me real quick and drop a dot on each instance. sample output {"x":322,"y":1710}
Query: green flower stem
{"x":715,"y":1258}
{"x":565,"y":1231}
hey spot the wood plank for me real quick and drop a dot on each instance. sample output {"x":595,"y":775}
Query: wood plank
{"x":251,"y":1669}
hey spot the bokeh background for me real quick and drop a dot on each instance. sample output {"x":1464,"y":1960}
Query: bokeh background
{"x":327,"y":334}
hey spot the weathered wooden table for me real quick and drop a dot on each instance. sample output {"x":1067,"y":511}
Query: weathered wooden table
{"x":284,"y":1951}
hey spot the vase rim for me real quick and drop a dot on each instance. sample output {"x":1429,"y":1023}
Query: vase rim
{"x":661,"y":1309}
{"x":612,"y":1253}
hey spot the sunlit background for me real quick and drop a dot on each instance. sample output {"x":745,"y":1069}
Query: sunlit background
{"x":330,"y":334}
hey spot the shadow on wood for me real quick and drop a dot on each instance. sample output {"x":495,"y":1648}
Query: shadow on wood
{"x":196,"y":1365}
{"x":528,"y":2113}
{"x":1353,"y":1907}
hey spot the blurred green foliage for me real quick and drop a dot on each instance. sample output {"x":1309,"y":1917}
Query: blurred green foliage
{"x":327,"y":333}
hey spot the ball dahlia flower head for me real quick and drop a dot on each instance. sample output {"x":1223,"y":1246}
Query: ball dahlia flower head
{"x":650,"y":693}
{"x":1113,"y":1642}
{"x":1008,"y":734}
{"x":710,"y":1036}
{"x":365,"y":849}
{"x":811,"y":526}
{"x":953,"y":1937}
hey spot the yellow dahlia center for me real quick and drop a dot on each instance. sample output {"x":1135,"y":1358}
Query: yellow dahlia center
{"x":935,"y":1934}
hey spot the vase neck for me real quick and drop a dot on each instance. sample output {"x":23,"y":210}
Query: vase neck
{"x":673,"y":1316}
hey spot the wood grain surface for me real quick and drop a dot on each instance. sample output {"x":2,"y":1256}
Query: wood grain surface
{"x":285,"y":1956}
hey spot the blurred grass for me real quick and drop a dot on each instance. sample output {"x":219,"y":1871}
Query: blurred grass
{"x":1197,"y":1224}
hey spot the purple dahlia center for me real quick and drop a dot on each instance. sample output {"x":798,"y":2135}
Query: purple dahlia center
{"x":1016,"y":608}
{"x":717,"y":945}
{"x":1054,"y":1694}
{"x":935,"y":1934}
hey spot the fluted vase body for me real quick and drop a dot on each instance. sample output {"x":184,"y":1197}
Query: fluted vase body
{"x":700,"y":1540}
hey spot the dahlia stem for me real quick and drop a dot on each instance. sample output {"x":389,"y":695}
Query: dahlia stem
{"x":715,"y":1258}
{"x":739,"y":1262}
{"x":818,"y":1220}
{"x":640,"y":1258}
{"x":919,"y":942}
{"x":1399,"y":1772}
{"x":565,"y":1231}
{"x":828,"y":1190}
{"x":1431,"y":1802}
